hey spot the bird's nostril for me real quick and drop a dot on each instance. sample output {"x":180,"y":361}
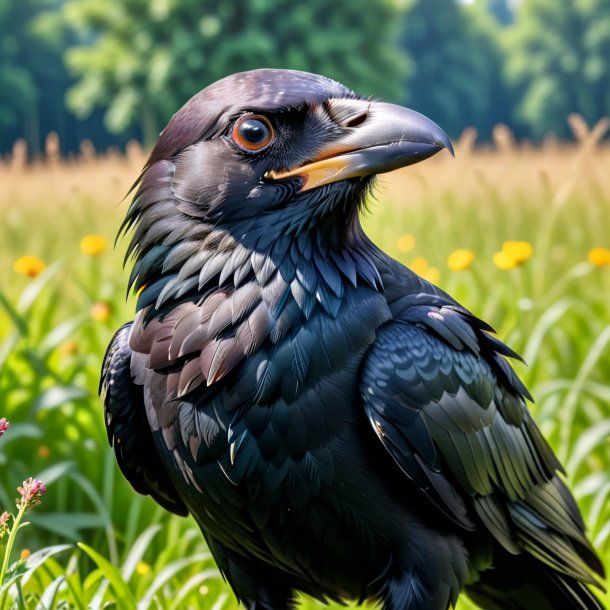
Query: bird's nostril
{"x":356,"y":120}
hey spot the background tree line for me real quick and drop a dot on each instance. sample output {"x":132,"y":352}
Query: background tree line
{"x":109,"y":70}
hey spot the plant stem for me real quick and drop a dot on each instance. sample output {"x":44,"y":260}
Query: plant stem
{"x":10,"y":542}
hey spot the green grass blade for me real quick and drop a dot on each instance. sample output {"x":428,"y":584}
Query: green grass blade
{"x":113,"y":575}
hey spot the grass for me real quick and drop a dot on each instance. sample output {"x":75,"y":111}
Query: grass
{"x":93,"y":540}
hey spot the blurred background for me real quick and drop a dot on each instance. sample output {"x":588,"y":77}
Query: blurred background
{"x":517,"y":227}
{"x":109,"y":71}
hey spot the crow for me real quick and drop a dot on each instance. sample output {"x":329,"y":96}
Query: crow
{"x":335,"y":424}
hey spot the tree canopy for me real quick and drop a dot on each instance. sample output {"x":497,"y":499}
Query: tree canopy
{"x":147,"y":58}
{"x":109,"y":71}
{"x":558,"y":61}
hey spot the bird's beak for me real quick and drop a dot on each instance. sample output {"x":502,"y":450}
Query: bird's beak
{"x":377,"y":138}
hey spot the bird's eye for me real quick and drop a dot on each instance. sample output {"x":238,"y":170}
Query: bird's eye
{"x":252,"y":133}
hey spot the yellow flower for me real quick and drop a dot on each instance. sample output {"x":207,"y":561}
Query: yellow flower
{"x":100,"y":311}
{"x":68,"y":348}
{"x":25,"y":554}
{"x":513,"y":254}
{"x":460,"y":260}
{"x":519,"y":251}
{"x":600,"y":257}
{"x":31,"y":266}
{"x":142,"y":568}
{"x":503,"y":260}
{"x":93,"y":244}
{"x":419,"y":265}
{"x":432,"y":274}
{"x":405,"y":243}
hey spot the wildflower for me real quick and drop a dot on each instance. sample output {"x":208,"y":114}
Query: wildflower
{"x":93,"y":244}
{"x":30,"y":266}
{"x":513,"y":254}
{"x":405,"y":243}
{"x":142,"y":568}
{"x":432,"y":274}
{"x":68,"y":348}
{"x":4,"y":519}
{"x":419,"y":265}
{"x":3,"y":425}
{"x":600,"y":257}
{"x":460,"y":260}
{"x":502,"y":260}
{"x":25,"y":553}
{"x":100,"y":311}
{"x":519,"y":251}
{"x":31,"y":492}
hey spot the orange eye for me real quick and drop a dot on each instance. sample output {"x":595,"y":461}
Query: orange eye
{"x":252,"y":132}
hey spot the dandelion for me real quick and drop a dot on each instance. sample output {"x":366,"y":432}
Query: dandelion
{"x":460,"y":260}
{"x":93,"y":244}
{"x":3,"y":425}
{"x":405,"y":243}
{"x":31,"y":493}
{"x":30,"y":266}
{"x":599,"y":257}
{"x":100,"y":311}
{"x":513,"y":254}
{"x":502,"y":260}
{"x":519,"y":251}
{"x":142,"y":568}
{"x":419,"y":265}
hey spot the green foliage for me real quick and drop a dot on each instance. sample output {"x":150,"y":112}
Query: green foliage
{"x":142,"y":60}
{"x":558,"y":62}
{"x":457,"y":65}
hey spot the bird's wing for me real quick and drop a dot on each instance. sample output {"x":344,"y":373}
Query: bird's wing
{"x":128,"y":427}
{"x":451,"y":412}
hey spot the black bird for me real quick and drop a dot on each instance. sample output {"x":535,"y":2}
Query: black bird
{"x":335,"y":424}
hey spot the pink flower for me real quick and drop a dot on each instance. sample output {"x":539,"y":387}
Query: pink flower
{"x":31,"y":492}
{"x":4,"y":519}
{"x":3,"y":425}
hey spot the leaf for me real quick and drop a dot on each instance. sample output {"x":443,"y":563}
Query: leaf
{"x":47,"y":599}
{"x":35,"y":287}
{"x":68,"y":525}
{"x":19,"y":323}
{"x":24,"y":569}
{"x":138,"y":549}
{"x":52,"y":473}
{"x":60,"y":333}
{"x":121,"y":589}
{"x":589,"y":439}
{"x":166,"y":574}
{"x":58,"y":395}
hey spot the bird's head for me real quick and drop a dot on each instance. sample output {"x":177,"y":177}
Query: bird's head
{"x":267,"y":154}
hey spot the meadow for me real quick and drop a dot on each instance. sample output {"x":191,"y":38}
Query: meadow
{"x":519,"y":234}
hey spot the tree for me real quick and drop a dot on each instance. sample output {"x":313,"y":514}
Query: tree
{"x":558,"y":62}
{"x":143,"y":59}
{"x":457,"y":74}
